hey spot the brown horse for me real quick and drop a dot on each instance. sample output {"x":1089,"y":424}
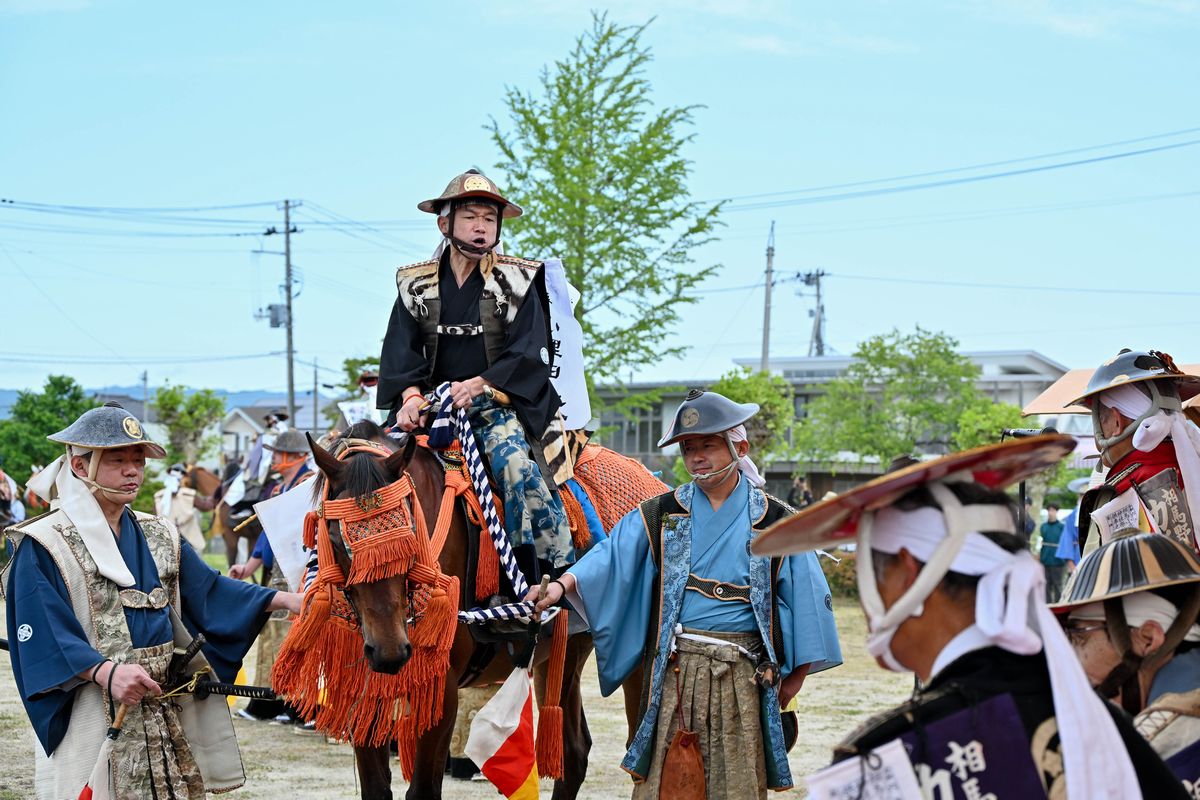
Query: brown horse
{"x":209,"y":495}
{"x":381,"y":608}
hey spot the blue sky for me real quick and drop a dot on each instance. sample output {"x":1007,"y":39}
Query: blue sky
{"x":364,"y":109}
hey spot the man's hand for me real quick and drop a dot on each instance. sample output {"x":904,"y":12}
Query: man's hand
{"x":791,"y":684}
{"x":290,"y":601}
{"x":238,"y":572}
{"x":464,"y":392}
{"x":554,"y":592}
{"x":130,"y":683}
{"x":409,"y":417}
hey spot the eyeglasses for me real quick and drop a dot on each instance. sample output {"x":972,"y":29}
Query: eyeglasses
{"x":1077,"y":632}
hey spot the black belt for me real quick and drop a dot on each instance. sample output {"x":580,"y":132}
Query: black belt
{"x":460,"y":330}
{"x":719,"y":590}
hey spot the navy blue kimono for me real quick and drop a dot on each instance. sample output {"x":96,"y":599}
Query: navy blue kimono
{"x":229,"y":613}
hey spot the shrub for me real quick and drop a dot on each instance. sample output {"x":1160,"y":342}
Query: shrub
{"x":841,"y":573}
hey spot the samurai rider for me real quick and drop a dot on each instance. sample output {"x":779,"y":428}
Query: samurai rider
{"x":1131,"y":614}
{"x":98,"y":597}
{"x":950,"y":591}
{"x":180,"y":504}
{"x":724,"y":639}
{"x":1146,"y":442}
{"x":480,"y":320}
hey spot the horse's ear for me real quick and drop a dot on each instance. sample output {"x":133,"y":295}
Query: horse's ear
{"x":325,"y":460}
{"x":397,"y":461}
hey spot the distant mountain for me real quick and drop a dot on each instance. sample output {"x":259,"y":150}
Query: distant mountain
{"x":250,"y":397}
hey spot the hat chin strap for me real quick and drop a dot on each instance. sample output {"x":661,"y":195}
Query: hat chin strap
{"x":723,"y":471}
{"x":884,"y":622}
{"x":90,"y":481}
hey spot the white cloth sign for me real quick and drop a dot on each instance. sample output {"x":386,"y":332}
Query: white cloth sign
{"x":566,"y":340}
{"x":889,"y":775}
{"x":356,"y":411}
{"x":282,"y":519}
{"x":1123,"y":512}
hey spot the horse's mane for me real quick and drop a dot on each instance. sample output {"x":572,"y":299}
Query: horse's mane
{"x":363,"y":473}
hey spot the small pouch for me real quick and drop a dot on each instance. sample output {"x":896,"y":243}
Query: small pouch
{"x":683,"y":767}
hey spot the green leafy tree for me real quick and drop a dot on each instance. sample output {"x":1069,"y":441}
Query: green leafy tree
{"x":599,"y":168}
{"x":768,"y":431}
{"x":904,"y":393}
{"x":981,"y":423}
{"x":33,"y":417}
{"x":186,"y":417}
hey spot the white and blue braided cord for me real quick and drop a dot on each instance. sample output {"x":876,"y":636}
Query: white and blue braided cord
{"x":446,"y":417}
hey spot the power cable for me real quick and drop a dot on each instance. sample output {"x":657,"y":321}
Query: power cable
{"x":1018,"y":286}
{"x":966,"y":168}
{"x":829,"y":198}
{"x":70,"y":318}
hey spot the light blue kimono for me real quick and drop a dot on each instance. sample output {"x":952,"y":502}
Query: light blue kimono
{"x":615,"y":584}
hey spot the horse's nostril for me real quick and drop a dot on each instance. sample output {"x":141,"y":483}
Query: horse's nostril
{"x":368,"y":650}
{"x":406,"y":651}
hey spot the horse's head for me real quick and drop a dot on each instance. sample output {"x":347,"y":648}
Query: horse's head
{"x":370,"y":533}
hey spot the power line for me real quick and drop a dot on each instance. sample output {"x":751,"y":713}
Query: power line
{"x":968,"y":167}
{"x":942,"y":217}
{"x":70,"y":318}
{"x":1018,"y":286}
{"x":75,"y":358}
{"x":829,"y":198}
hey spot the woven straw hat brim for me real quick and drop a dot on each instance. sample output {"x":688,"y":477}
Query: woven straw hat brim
{"x":835,"y":520}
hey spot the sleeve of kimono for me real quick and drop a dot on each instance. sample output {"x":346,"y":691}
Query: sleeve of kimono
{"x":402,"y":361}
{"x":1068,"y":543}
{"x":262,"y":550}
{"x":229,"y":613}
{"x":520,"y":370}
{"x":613,"y":583}
{"x":806,"y":616}
{"x":48,"y":647}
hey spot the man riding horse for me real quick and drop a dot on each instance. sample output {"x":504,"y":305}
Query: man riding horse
{"x":479,"y":320}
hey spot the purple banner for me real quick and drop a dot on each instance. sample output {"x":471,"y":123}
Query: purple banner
{"x":981,"y":753}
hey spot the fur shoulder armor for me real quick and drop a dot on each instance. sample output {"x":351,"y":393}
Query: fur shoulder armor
{"x":524,"y":263}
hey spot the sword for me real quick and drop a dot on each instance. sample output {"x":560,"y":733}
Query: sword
{"x":201,"y":686}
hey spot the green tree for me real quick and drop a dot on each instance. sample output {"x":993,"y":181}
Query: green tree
{"x":981,"y":423}
{"x":768,"y":431}
{"x":600,"y":170}
{"x":34,"y":416}
{"x":186,"y":417}
{"x":904,"y":393}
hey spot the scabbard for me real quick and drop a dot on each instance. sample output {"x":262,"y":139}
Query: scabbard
{"x":205,"y":688}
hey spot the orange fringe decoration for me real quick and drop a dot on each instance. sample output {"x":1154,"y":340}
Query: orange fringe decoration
{"x":549,"y":745}
{"x":311,"y":521}
{"x":581,"y":536}
{"x":321,"y":668}
{"x":487,"y":572}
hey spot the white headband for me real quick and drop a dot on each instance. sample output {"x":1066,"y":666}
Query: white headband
{"x":1140,"y":608}
{"x":1132,"y":402}
{"x":1009,"y":609}
{"x":745,"y":464}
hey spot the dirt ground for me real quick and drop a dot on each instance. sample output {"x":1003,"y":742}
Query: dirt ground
{"x":280,"y":763}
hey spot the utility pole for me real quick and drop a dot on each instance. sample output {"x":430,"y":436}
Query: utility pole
{"x":816,"y":343}
{"x":766,"y":348}
{"x":314,"y":424}
{"x":145,"y":394}
{"x":291,"y":353}
{"x":280,"y":314}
